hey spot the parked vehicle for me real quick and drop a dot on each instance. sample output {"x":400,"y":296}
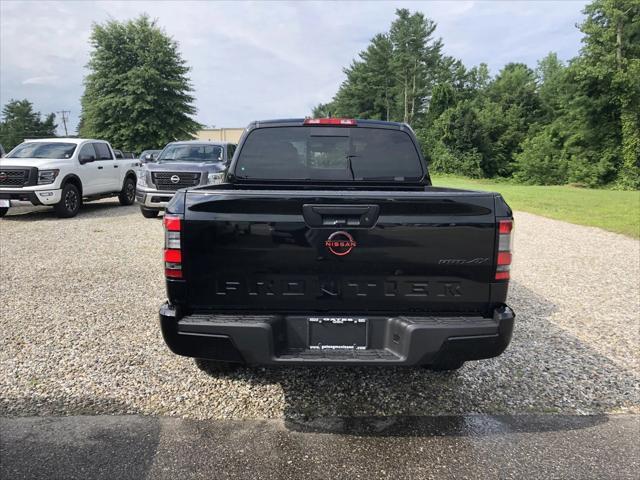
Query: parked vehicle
{"x":64,"y":172}
{"x":180,"y":165}
{"x":149,"y":156}
{"x":120,"y":154}
{"x":328,"y":245}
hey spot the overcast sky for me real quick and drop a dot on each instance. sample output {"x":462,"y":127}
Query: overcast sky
{"x":259,"y":60}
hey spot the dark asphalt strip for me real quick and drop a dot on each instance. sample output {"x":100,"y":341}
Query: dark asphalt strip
{"x":470,"y":446}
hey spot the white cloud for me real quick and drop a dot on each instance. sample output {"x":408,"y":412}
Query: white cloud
{"x":46,"y":80}
{"x":256,"y":60}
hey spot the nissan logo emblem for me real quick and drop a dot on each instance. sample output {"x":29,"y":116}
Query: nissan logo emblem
{"x":340,"y":243}
{"x":3,"y":176}
{"x":174,"y":179}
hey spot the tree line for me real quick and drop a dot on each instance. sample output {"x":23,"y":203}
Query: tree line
{"x":20,"y":121}
{"x":137,"y":93}
{"x":576,"y":122}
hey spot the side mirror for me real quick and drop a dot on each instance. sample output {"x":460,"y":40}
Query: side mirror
{"x":86,"y":159}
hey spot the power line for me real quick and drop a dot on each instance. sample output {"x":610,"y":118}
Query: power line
{"x":65,"y":117}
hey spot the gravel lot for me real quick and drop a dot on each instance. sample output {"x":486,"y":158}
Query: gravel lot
{"x":79,"y":333}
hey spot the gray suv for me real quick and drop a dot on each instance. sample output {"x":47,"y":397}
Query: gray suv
{"x":181,"y":165}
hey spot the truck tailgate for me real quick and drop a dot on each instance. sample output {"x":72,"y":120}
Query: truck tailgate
{"x":339,"y":251}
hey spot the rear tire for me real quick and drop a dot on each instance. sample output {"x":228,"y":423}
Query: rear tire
{"x":3,"y":211}
{"x":149,"y":213}
{"x":128,"y":193}
{"x":69,"y":203}
{"x":213,"y":367}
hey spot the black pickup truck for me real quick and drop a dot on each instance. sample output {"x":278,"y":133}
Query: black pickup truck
{"x":327,"y":245}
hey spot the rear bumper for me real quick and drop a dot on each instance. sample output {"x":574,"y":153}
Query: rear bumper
{"x":275,"y":339}
{"x":153,"y":199}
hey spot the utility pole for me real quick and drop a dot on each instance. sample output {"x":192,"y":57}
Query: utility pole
{"x":65,"y":117}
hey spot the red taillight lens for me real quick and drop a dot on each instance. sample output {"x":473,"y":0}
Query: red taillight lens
{"x":172,"y":252}
{"x":173,"y":256}
{"x":330,"y":121}
{"x":504,"y":257}
{"x":505,"y":226}
{"x":172,"y":223}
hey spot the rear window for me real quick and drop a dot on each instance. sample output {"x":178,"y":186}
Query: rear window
{"x":328,"y":153}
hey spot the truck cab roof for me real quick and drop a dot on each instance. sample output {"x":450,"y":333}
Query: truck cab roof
{"x":200,"y":142}
{"x":63,"y":140}
{"x":294,"y":122}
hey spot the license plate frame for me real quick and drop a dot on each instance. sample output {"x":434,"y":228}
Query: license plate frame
{"x":337,"y":333}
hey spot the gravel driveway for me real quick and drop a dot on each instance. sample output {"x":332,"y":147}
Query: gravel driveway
{"x":79,"y":332}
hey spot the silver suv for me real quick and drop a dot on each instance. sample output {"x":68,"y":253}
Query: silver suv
{"x":181,"y":165}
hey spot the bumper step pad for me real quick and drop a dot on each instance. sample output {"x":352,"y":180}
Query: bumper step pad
{"x":283,"y":339}
{"x":339,"y":355}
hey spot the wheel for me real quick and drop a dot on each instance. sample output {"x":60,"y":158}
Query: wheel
{"x":213,"y":367}
{"x":149,"y":213}
{"x":128,"y":193}
{"x":3,"y":211}
{"x":446,"y":366}
{"x":69,"y":203}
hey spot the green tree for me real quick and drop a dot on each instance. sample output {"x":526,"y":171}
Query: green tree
{"x":353,"y":98}
{"x":137,"y":94}
{"x":456,"y":141}
{"x":509,"y":110}
{"x":543,"y":159}
{"x":574,"y":122}
{"x":378,"y":57}
{"x":392,"y":79}
{"x":416,"y":56}
{"x":367,"y":92}
{"x":609,"y":66}
{"x":19,"y":121}
{"x":479,"y":78}
{"x":551,"y":80}
{"x":323,"y":110}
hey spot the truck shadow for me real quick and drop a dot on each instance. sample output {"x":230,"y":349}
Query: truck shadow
{"x":576,"y":379}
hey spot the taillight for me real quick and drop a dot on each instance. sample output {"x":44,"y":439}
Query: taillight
{"x":330,"y":121}
{"x":172,"y":250}
{"x":505,"y":228}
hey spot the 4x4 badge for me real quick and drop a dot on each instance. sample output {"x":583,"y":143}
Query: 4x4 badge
{"x":340,"y":243}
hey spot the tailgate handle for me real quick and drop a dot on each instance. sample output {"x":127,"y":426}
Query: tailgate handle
{"x":362,"y":216}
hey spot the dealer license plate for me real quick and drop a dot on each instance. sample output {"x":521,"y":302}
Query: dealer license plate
{"x":337,"y":333}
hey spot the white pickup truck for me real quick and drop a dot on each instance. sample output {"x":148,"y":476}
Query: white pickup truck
{"x":62,"y":172}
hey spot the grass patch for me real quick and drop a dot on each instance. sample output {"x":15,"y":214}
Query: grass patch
{"x":613,"y":210}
